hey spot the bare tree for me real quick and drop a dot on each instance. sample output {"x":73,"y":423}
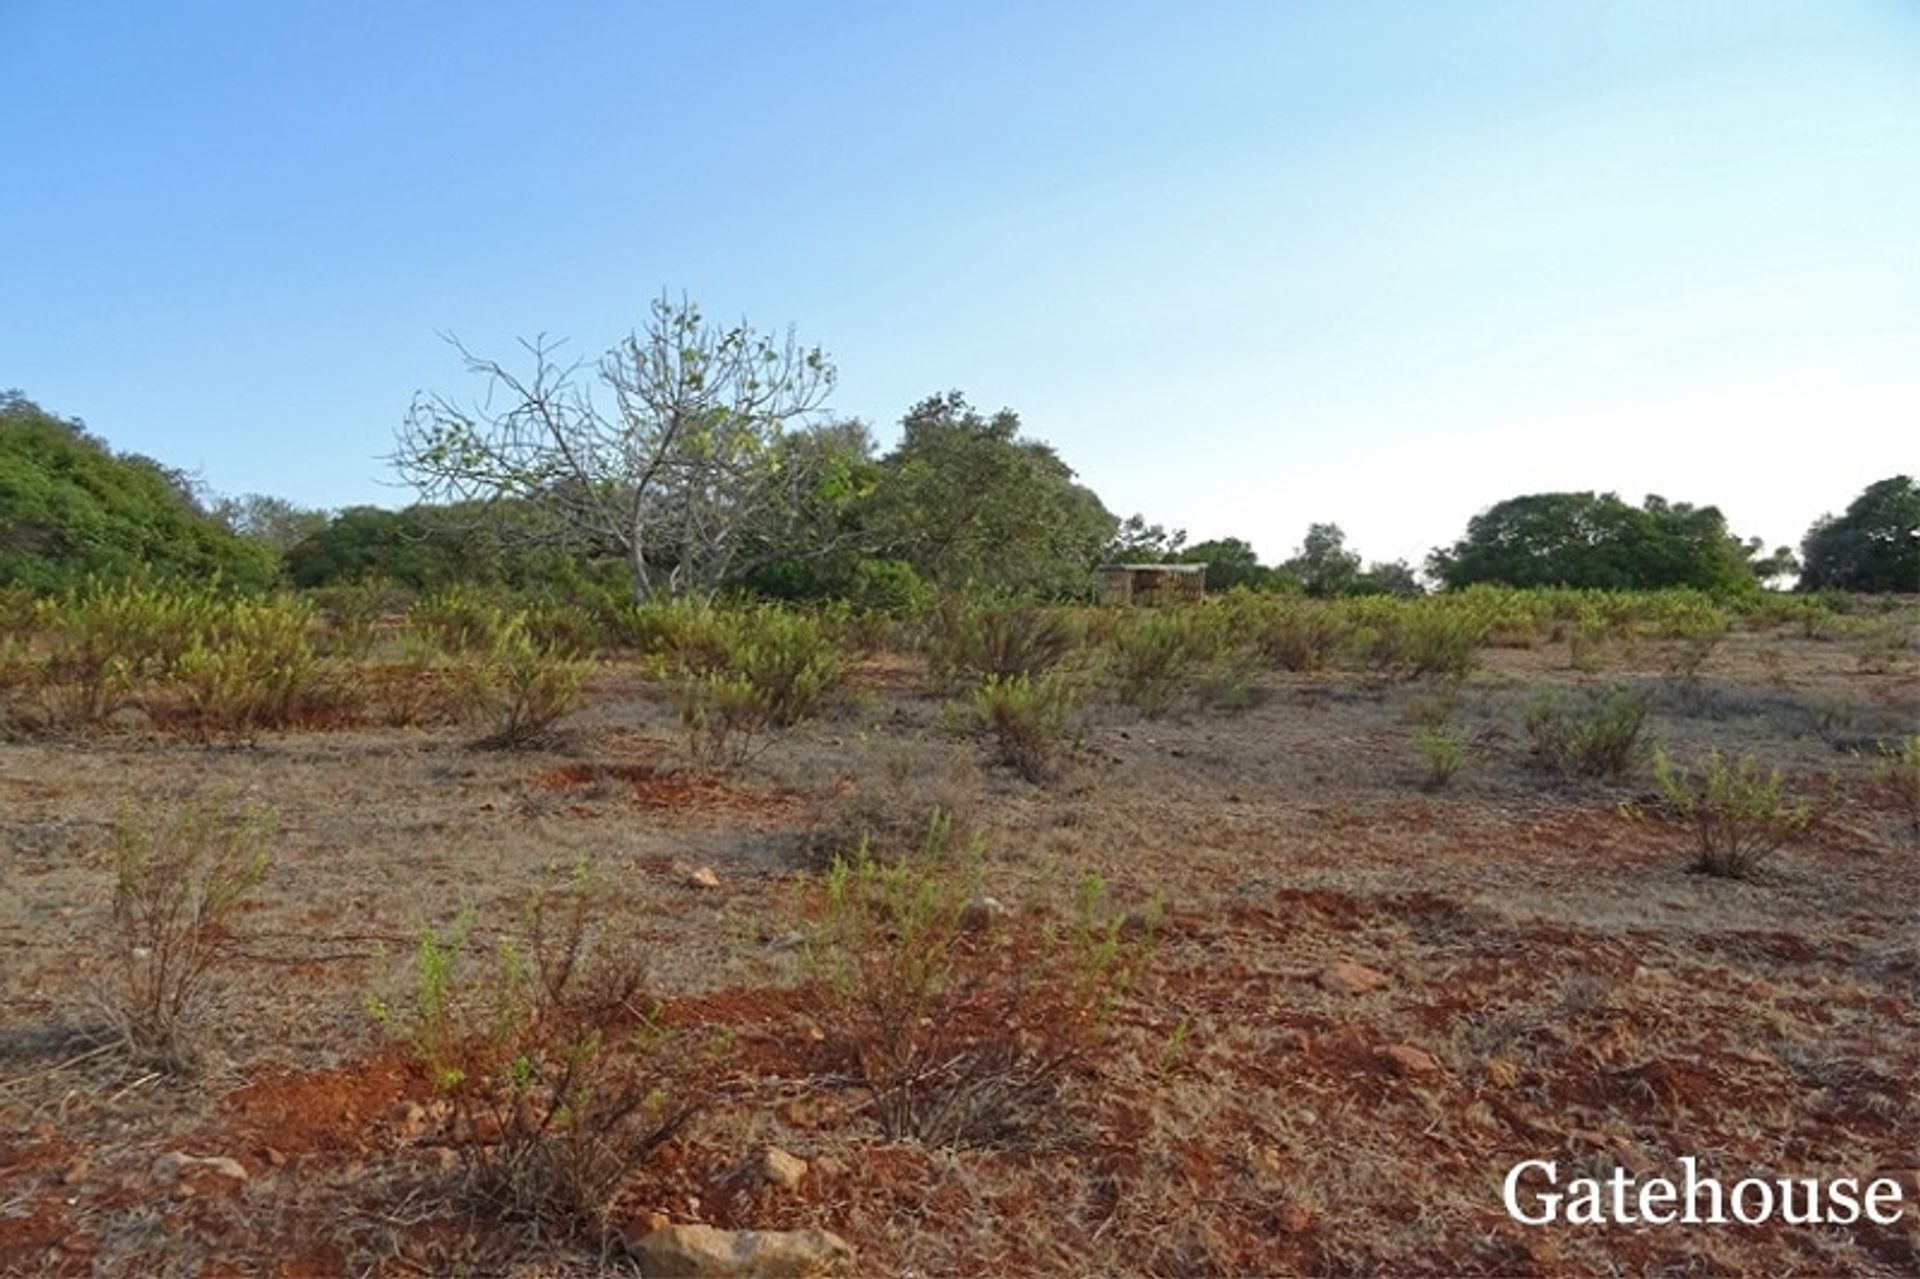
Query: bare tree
{"x":672,"y":450}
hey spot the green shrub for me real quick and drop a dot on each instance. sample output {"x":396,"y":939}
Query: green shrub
{"x":1299,"y":635}
{"x":1154,"y":661}
{"x":178,"y":884}
{"x":522,"y":687}
{"x":1740,"y":815}
{"x":1030,"y":720}
{"x":461,"y":619}
{"x":967,"y":641}
{"x":1600,"y":738}
{"x":561,"y":1075}
{"x":253,"y":667}
{"x":1443,"y":748}
{"x":723,"y":715}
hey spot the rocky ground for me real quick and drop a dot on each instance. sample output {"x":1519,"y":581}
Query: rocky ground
{"x":1365,"y":999}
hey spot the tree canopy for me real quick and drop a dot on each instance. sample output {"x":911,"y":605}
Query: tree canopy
{"x":1597,"y":540}
{"x":1875,"y":546}
{"x":968,"y":502}
{"x":71,"y":508}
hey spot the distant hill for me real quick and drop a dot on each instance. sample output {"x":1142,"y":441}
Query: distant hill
{"x":72,"y":508}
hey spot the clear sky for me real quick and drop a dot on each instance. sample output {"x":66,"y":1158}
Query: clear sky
{"x":1246,"y":266}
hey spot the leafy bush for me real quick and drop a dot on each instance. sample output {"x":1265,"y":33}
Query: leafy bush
{"x":1031,"y":721}
{"x":960,"y":1036}
{"x":1600,"y":738}
{"x":1740,"y":815}
{"x":560,"y":1073}
{"x":73,"y":511}
{"x":178,"y":883}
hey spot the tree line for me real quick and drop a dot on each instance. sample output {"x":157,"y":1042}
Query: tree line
{"x":693,"y":458}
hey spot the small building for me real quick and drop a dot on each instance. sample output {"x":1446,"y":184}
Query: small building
{"x":1151,"y":583}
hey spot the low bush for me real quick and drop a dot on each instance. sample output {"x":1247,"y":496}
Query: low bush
{"x":967,"y":640}
{"x":560,"y":1074}
{"x":1740,"y":815}
{"x":961,"y":1033}
{"x":724,"y":715}
{"x":178,"y":884}
{"x":522,"y":688}
{"x":252,"y":667}
{"x":1599,"y":738}
{"x":1030,"y":721}
{"x":1443,"y":748}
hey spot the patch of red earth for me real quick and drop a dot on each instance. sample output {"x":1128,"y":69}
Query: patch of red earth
{"x":340,"y":1110}
{"x":680,"y":790}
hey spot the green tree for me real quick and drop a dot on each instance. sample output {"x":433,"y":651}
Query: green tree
{"x":1596,"y":540}
{"x":1230,"y":562}
{"x":1323,"y":564}
{"x":272,"y":521}
{"x":1875,"y":546}
{"x":970,"y":503}
{"x":1137,"y":542}
{"x":71,"y":508}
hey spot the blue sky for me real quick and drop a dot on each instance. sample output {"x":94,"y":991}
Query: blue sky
{"x":1246,"y":266}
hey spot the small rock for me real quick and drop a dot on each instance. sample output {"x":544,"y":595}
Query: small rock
{"x":1408,"y":1060}
{"x":778,"y":1168}
{"x":76,"y":1171}
{"x":174,"y":1165}
{"x":1295,"y":1220}
{"x":1344,"y":977}
{"x":704,"y":878}
{"x":275,"y":1158}
{"x":982,"y":913}
{"x":702,"y":1252}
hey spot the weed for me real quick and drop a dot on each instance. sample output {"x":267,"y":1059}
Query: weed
{"x":1739,"y":814}
{"x":177,"y":886}
{"x":561,"y":1076}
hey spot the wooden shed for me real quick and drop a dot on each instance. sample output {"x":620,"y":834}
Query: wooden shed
{"x":1151,"y":583}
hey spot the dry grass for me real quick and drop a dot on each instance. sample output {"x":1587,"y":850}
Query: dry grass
{"x":1586,"y":998}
